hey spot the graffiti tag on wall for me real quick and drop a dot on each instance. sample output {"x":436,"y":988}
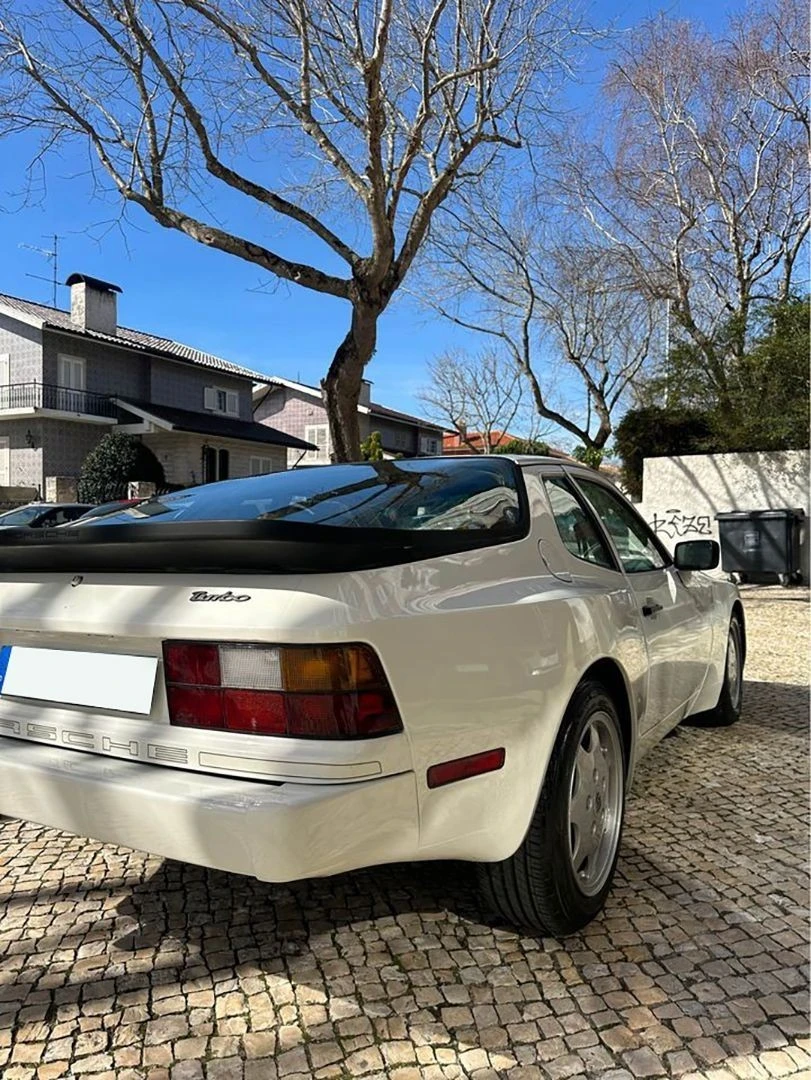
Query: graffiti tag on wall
{"x":673,"y":523}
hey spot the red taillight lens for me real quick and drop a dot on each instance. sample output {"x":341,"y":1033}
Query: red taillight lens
{"x":309,"y":692}
{"x":257,"y":712}
{"x":192,"y":665}
{"x":193,"y":706}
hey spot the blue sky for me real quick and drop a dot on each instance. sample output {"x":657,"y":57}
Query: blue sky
{"x":175,"y":287}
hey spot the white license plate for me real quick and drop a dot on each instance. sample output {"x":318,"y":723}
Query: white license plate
{"x":98,"y":680}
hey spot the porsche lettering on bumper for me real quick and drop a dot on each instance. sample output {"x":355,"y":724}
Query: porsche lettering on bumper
{"x":139,"y":749}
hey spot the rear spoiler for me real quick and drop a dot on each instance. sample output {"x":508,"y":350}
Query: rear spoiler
{"x":266,"y":547}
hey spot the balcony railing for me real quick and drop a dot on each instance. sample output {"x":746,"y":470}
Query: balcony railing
{"x":34,"y":395}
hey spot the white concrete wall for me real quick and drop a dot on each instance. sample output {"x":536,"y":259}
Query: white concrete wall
{"x":682,"y":495}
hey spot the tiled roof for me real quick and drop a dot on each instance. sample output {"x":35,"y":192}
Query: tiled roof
{"x":136,"y":339}
{"x":395,"y":414}
{"x":374,"y":408}
{"x":223,"y":427}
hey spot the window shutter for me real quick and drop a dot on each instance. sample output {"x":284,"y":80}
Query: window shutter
{"x":261,"y":465}
{"x":232,"y":403}
{"x":70,"y":372}
{"x":319,"y":435}
{"x":210,"y":398}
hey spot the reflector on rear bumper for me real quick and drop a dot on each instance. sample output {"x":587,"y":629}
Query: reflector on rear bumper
{"x":447,"y":772}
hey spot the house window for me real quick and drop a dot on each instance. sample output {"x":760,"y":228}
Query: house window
{"x":400,"y":440}
{"x":429,"y":444}
{"x":319,"y":435}
{"x":216,"y":464}
{"x":216,"y":399}
{"x":260,"y":465}
{"x":71,"y":372}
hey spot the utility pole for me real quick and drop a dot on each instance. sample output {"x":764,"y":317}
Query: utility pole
{"x":667,"y":349}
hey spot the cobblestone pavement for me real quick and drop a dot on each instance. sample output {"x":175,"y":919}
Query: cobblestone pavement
{"x":114,"y":964}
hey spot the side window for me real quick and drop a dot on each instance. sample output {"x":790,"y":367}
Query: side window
{"x":635,"y":545}
{"x":577,"y":531}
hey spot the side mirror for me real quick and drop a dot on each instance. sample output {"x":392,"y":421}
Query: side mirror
{"x":697,"y":555}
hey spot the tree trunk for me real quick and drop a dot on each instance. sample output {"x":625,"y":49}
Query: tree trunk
{"x":342,"y":383}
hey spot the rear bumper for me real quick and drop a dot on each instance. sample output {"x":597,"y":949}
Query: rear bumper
{"x":278,"y":832}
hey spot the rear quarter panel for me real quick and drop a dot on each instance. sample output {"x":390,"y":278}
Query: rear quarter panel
{"x":485,"y":651}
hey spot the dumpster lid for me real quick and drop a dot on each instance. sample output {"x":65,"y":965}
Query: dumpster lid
{"x":745,"y":515}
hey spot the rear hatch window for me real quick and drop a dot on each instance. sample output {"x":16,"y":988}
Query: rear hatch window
{"x":406,"y":495}
{"x":320,"y":519}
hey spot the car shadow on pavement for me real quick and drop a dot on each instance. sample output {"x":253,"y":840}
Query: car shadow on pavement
{"x":769,"y":705}
{"x":221,"y":912}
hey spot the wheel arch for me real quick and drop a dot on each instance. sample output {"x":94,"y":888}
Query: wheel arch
{"x":608,"y":672}
{"x":737,"y":610}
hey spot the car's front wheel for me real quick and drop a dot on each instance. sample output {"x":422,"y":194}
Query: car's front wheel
{"x":730,"y":701}
{"x":559,"y":877}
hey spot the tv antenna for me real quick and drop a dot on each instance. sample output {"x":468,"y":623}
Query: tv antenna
{"x":52,"y":255}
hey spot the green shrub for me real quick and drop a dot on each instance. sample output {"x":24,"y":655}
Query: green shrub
{"x":112,"y":464}
{"x":657,"y":432}
{"x":371,"y":449}
{"x":522,"y":446}
{"x":589,"y":455}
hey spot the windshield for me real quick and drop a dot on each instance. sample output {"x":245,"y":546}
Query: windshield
{"x":418,"y":494}
{"x":24,"y":516}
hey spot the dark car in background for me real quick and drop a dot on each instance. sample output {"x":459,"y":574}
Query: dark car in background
{"x":42,"y":515}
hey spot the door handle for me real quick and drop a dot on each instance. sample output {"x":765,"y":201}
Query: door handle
{"x":650,"y":608}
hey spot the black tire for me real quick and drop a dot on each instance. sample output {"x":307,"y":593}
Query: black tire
{"x":537,"y":887}
{"x":730,"y":702}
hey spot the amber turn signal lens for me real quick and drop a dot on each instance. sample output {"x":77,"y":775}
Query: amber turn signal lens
{"x":330,"y":669}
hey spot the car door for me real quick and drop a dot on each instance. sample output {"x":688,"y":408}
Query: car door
{"x":677,"y":626}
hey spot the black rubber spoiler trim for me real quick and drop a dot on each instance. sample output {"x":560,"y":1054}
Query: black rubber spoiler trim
{"x":267,"y":547}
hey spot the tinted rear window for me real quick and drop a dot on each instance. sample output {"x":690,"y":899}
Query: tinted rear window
{"x":420,"y":494}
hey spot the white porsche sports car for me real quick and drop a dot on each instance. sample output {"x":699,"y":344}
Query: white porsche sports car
{"x":303,"y":673}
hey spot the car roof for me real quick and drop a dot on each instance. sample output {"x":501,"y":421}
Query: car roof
{"x":519,"y":459}
{"x":48,"y":506}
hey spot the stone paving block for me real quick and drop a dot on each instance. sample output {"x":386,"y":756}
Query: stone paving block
{"x":117,"y":965}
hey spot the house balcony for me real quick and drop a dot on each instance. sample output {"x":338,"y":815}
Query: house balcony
{"x":59,"y":402}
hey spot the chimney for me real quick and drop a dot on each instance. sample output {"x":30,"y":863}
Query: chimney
{"x":93,"y":303}
{"x":365,"y":392}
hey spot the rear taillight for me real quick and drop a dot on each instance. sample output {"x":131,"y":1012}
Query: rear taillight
{"x":308,"y":692}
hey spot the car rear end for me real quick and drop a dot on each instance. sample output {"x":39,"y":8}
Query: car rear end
{"x":209,"y":676}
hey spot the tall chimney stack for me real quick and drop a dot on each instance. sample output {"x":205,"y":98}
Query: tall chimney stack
{"x":93,"y":304}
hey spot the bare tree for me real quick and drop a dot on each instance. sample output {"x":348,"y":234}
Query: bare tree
{"x":380,"y":110}
{"x":555,"y":300}
{"x":474,"y":393}
{"x":701,"y":182}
